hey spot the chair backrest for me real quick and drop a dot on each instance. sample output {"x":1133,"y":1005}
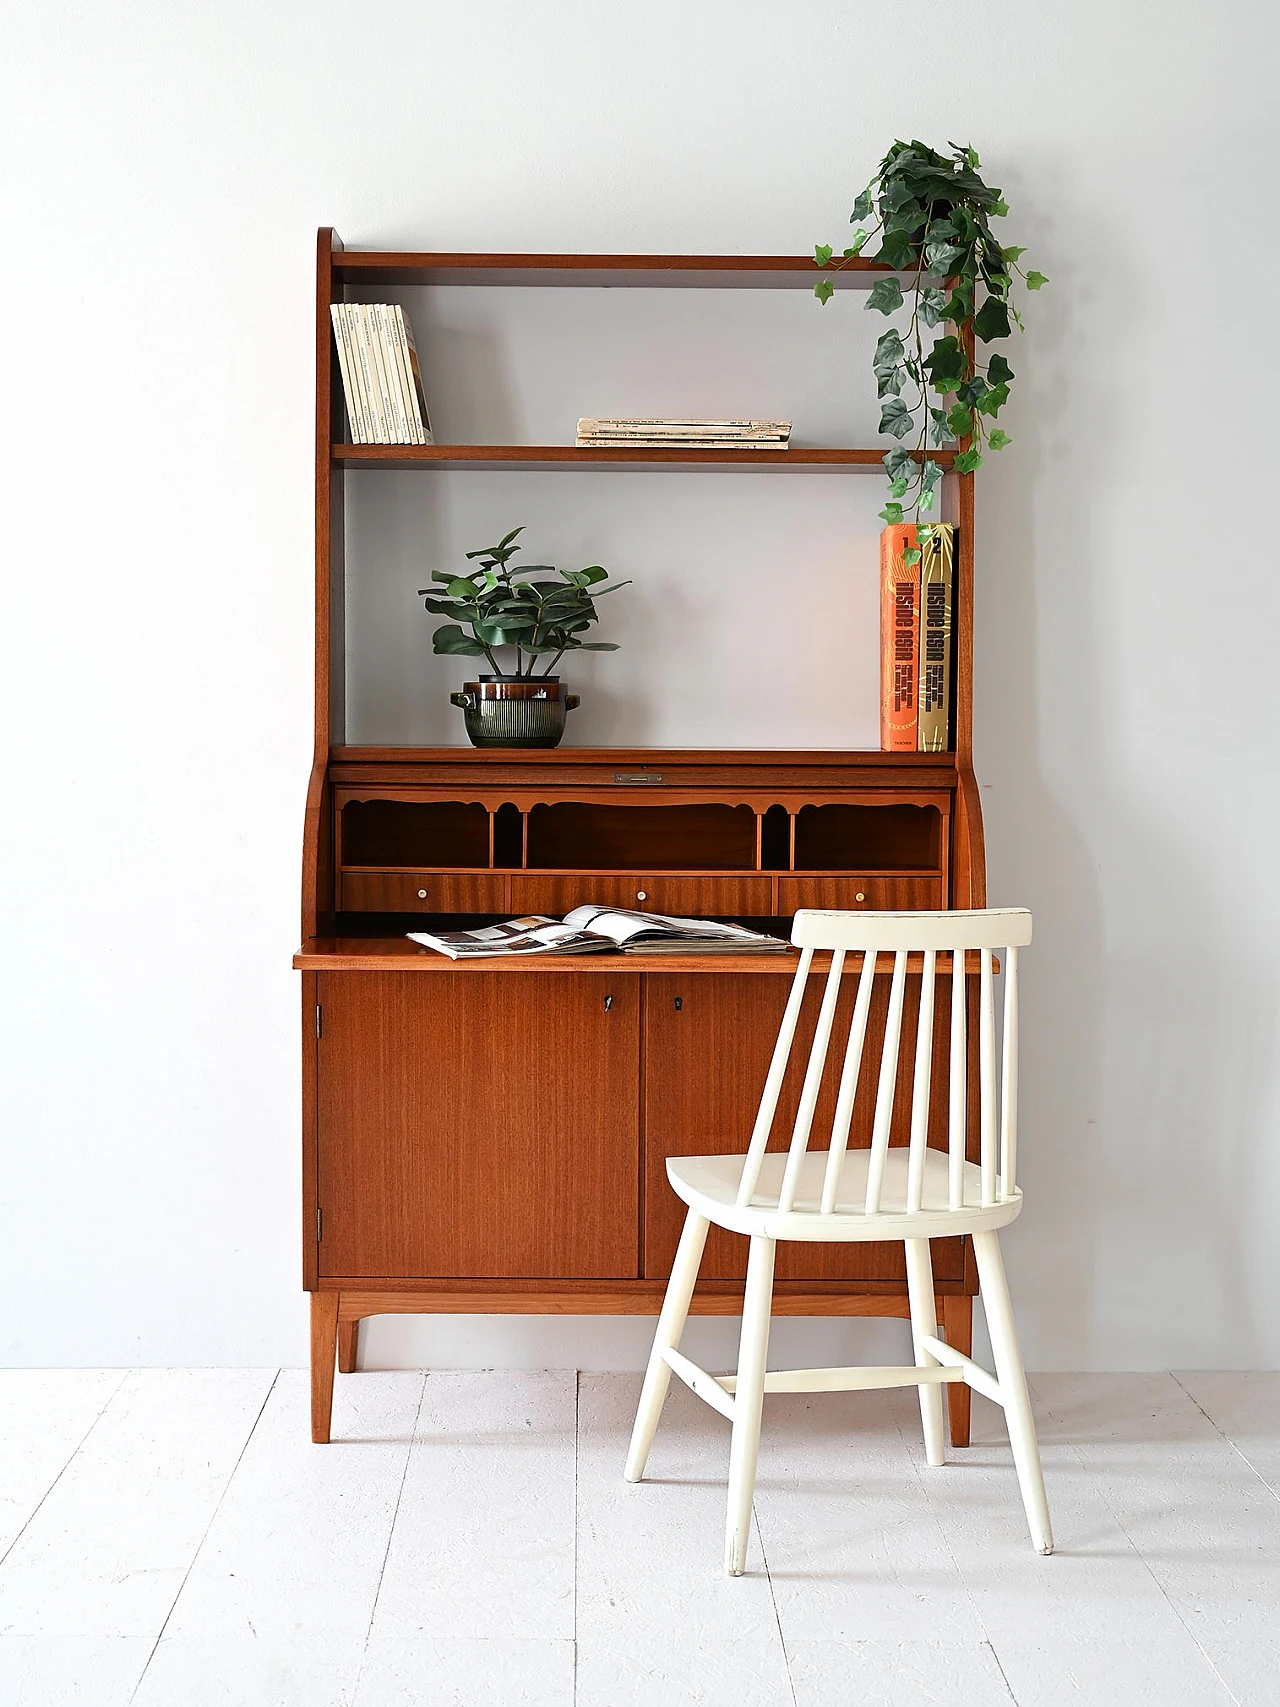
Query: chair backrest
{"x":957,"y":935}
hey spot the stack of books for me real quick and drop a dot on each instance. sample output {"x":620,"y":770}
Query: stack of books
{"x":645,"y":433}
{"x":917,"y":639}
{"x":378,"y":359}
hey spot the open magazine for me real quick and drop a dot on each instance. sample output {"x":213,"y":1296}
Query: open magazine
{"x":592,"y":930}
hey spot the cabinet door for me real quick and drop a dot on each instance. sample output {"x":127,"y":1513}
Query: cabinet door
{"x":708,"y":1041}
{"x":479,"y":1124}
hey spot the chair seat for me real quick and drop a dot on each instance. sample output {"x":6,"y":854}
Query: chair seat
{"x":709,"y":1185}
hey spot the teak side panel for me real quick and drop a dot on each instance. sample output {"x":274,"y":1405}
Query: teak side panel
{"x":479,"y":1127}
{"x":705,"y":1065}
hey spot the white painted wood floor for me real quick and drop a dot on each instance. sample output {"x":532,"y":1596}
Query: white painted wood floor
{"x":170,"y":1538}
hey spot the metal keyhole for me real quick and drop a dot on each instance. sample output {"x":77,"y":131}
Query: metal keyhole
{"x":608,"y":1002}
{"x":679,"y":1003}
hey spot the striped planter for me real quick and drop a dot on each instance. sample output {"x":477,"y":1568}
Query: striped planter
{"x":509,"y":711}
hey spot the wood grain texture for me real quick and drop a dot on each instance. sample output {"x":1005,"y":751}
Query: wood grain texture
{"x":755,"y":272}
{"x":854,"y":893}
{"x":348,"y":1341}
{"x":424,"y":892}
{"x":614,"y":459}
{"x":324,"y":1347}
{"x":612,"y":1298}
{"x":956,"y":1316}
{"x":310,"y":1124}
{"x":732,"y":1021}
{"x":479,"y":1126}
{"x":700,"y":896}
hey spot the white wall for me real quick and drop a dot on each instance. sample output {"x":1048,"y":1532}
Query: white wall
{"x":165,"y":167}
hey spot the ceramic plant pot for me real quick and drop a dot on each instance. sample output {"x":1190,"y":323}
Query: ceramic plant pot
{"x":511,"y":711}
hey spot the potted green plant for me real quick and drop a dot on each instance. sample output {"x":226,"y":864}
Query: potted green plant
{"x":499,"y":608}
{"x":933,"y":213}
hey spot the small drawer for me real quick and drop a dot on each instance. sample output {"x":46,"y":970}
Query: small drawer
{"x":424,"y":892}
{"x":848,"y":894}
{"x":697,"y":897}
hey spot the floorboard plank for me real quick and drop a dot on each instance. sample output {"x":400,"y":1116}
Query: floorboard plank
{"x":107,"y":1551}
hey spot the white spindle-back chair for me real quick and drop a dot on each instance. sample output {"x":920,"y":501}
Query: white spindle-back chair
{"x":914,"y":1191}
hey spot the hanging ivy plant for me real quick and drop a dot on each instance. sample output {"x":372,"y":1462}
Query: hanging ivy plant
{"x":933,"y":215}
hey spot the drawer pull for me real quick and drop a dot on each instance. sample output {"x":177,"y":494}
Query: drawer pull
{"x":642,"y":894}
{"x":858,"y":897}
{"x":422,"y":895}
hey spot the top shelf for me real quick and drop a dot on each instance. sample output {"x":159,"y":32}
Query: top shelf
{"x":357,"y":267}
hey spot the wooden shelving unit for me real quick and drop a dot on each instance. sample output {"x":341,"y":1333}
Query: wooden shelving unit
{"x":493,"y":1137}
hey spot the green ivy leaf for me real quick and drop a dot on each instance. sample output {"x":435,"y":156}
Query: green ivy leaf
{"x":911,"y":556}
{"x":926,"y":500}
{"x":932,"y":304}
{"x":861,"y":207}
{"x":855,"y":248}
{"x":824,"y":290}
{"x":896,"y":418}
{"x":931,"y":474}
{"x":972,"y":391}
{"x":968,"y":460}
{"x":1036,"y":280}
{"x":941,"y":257}
{"x":822,"y":253}
{"x":995,"y":399}
{"x":889,"y":351}
{"x":892,"y":513}
{"x":1012,"y":252}
{"x":946,"y":360}
{"x":998,"y":370}
{"x":997,"y":439}
{"x":899,"y":464}
{"x":960,"y":420}
{"x":939,"y":430}
{"x":890,"y":381}
{"x":885,"y":295}
{"x":899,"y":488}
{"x":992,"y":320}
{"x":1000,"y":208}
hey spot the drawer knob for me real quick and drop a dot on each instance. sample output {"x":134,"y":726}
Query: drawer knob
{"x":642,"y":894}
{"x":422,"y":895}
{"x":859,"y":896}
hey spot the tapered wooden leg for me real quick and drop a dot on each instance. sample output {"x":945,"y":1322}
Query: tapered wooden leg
{"x":675,"y":1310}
{"x":348,"y":1335}
{"x":753,"y":1353}
{"x":324,"y":1344}
{"x":1013,"y":1387}
{"x":957,"y":1326}
{"x":924,"y":1322}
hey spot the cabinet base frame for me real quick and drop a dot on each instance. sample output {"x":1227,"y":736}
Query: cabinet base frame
{"x":339,"y":1306}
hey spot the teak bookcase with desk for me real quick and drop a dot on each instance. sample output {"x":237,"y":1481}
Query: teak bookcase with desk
{"x":492,"y":1137}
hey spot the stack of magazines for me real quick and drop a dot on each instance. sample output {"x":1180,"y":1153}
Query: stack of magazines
{"x":593,"y":930}
{"x":647,"y":433}
{"x":378,"y":360}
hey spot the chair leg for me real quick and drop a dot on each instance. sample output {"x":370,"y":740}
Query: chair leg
{"x":753,"y":1352}
{"x":924,"y":1321}
{"x":675,"y":1310}
{"x":1013,"y":1385}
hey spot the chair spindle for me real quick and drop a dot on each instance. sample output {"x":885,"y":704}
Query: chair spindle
{"x":887,"y":1085}
{"x":812,"y":1085}
{"x":773,"y":1083}
{"x":920,"y":1086}
{"x":849,"y":1081}
{"x":957,"y":1124}
{"x":987,"y":1077}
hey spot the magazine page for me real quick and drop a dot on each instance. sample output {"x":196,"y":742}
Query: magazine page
{"x":621,"y":925}
{"x":534,"y":934}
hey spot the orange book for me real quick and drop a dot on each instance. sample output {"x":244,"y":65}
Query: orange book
{"x":899,"y":640}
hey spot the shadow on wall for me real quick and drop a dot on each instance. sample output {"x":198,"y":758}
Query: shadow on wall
{"x":1148,"y":1039}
